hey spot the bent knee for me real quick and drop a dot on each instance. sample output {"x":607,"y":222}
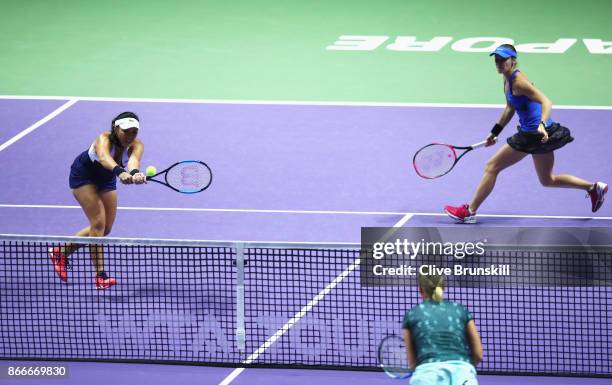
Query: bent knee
{"x":547,"y":181}
{"x":97,"y":226}
{"x":492,"y":167}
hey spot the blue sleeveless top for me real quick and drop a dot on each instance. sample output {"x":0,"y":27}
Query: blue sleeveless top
{"x":529,"y":111}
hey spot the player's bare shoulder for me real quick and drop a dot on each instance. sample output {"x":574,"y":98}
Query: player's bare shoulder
{"x":521,"y":83}
{"x":102,"y":142}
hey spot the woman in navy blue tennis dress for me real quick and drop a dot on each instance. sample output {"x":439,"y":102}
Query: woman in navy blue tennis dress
{"x":537,"y":135}
{"x":115,"y":154}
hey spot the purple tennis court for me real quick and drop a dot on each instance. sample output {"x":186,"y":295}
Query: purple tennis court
{"x":290,"y":173}
{"x":317,"y":251}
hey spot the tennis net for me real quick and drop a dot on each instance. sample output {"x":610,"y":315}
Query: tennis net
{"x":286,"y":305}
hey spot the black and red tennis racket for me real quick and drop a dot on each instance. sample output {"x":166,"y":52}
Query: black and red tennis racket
{"x":438,"y":159}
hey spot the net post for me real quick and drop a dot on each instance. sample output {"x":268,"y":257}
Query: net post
{"x":240,"y":329}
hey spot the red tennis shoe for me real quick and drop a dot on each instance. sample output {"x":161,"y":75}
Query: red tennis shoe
{"x":105,"y":283}
{"x":60,"y":262}
{"x":598,"y":194}
{"x":461,"y":214}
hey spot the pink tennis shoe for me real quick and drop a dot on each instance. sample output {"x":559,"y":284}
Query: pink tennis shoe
{"x":598,"y":195}
{"x":461,"y":214}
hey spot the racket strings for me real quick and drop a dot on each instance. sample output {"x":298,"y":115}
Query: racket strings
{"x":189,"y":176}
{"x":392,"y":357}
{"x":434,"y":160}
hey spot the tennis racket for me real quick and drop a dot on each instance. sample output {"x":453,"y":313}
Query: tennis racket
{"x":186,"y":177}
{"x":438,"y":159}
{"x":392,"y":357}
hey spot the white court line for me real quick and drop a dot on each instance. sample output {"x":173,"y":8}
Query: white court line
{"x":288,"y":102}
{"x":297,"y":316}
{"x":219,"y":210}
{"x":307,"y":212}
{"x":38,"y":124}
{"x":529,"y":216}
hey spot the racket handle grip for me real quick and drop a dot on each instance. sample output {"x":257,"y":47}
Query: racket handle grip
{"x":479,"y":144}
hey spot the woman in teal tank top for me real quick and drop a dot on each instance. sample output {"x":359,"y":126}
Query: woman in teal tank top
{"x":441,"y":337}
{"x":538,"y":134}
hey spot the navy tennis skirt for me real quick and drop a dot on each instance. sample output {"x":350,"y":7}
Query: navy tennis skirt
{"x":83,"y":171}
{"x":529,"y":142}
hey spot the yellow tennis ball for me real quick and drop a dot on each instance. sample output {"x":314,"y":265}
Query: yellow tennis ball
{"x":151,"y":170}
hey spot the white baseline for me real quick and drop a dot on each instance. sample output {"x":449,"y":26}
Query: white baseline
{"x":288,"y":102}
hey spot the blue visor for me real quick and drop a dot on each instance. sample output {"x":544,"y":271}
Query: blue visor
{"x":504,"y":52}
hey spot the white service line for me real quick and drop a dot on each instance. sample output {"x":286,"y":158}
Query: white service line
{"x":220,"y":210}
{"x":316,"y":212}
{"x":297,"y":316}
{"x":288,"y":102}
{"x":527,"y":216}
{"x":38,"y":124}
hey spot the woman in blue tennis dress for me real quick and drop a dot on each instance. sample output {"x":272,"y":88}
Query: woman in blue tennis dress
{"x":537,"y":135}
{"x":115,"y":154}
{"x":441,"y":338}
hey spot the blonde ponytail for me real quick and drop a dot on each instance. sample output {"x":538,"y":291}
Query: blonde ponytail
{"x":438,"y":294}
{"x":433,"y":286}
